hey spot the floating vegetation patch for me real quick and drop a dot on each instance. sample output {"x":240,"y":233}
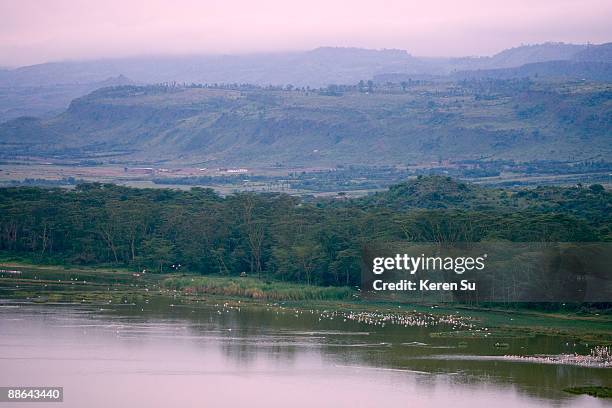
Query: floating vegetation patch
{"x":593,"y":391}
{"x":485,"y":333}
{"x":502,"y":345}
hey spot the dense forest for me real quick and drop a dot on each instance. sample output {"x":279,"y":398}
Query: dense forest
{"x":277,"y":236}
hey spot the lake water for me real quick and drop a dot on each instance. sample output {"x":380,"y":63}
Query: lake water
{"x":157,"y":354}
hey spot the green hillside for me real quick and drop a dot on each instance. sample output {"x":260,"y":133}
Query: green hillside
{"x":367,"y":124}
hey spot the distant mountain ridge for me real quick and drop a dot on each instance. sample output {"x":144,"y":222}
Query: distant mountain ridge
{"x":46,"y":89}
{"x":46,"y":102}
{"x":318,"y":67}
{"x":582,"y":70}
{"x":592,"y":62}
{"x":530,"y":54}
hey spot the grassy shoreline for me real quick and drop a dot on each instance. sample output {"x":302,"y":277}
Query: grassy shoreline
{"x":89,"y":284}
{"x":256,"y":289}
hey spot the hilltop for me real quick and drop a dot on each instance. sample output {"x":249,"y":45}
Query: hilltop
{"x":556,"y":61}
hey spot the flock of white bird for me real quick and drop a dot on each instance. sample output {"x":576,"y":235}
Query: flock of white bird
{"x":406,"y":319}
{"x":600,"y":356}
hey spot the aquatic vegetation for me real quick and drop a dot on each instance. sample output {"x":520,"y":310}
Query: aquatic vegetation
{"x":502,"y":345}
{"x":256,"y":289}
{"x":593,"y":391}
{"x":483,"y":334}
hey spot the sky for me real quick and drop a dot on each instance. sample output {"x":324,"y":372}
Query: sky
{"x":35,"y":31}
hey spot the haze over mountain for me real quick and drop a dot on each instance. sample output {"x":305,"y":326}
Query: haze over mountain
{"x":319,"y":67}
{"x":46,"y":89}
{"x":47,"y":101}
{"x":590,"y":63}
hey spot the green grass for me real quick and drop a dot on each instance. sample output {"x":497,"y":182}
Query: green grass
{"x":599,"y":392}
{"x":255,"y":288}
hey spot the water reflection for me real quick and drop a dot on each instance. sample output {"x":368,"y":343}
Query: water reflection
{"x":164,"y":354}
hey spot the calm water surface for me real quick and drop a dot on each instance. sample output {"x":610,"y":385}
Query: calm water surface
{"x":162,"y":355}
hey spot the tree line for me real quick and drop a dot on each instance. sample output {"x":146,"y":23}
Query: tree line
{"x":269,"y":235}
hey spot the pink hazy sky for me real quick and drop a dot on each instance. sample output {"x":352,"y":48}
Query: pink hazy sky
{"x":33,"y":31}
